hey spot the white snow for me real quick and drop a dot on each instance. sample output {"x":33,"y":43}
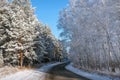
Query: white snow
{"x":92,"y":76}
{"x":38,"y":74}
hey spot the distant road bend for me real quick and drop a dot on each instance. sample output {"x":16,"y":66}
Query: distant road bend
{"x":60,"y":73}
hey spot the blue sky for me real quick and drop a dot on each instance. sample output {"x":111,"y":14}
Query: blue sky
{"x":47,"y":12}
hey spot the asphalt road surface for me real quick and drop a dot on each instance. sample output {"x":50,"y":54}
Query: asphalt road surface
{"x":60,"y":73}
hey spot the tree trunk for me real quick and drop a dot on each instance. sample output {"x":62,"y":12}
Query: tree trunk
{"x":21,"y":58}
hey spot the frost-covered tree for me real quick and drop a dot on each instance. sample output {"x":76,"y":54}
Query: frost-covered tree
{"x":52,"y":45}
{"x":23,"y":39}
{"x":92,"y":29}
{"x":19,"y":26}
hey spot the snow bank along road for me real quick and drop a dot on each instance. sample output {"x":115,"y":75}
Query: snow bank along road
{"x":92,"y":76}
{"x":37,"y":74}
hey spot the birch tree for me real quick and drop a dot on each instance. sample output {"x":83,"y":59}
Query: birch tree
{"x":90,"y":27}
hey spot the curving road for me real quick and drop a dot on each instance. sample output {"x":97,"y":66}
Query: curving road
{"x":60,"y":73}
{"x":46,"y":72}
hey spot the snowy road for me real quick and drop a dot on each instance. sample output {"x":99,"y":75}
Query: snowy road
{"x":55,"y":71}
{"x":60,"y":73}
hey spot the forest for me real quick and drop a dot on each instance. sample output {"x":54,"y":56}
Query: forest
{"x":88,"y":47}
{"x":24,"y":40}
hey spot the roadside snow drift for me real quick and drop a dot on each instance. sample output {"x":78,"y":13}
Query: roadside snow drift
{"x":38,"y":74}
{"x":92,"y":76}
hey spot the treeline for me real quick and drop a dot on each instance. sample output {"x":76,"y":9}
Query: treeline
{"x":92,"y":30}
{"x":23,"y":39}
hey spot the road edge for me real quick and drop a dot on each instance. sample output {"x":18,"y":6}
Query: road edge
{"x":91,"y":76}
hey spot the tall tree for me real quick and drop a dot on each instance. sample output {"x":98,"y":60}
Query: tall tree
{"x":90,"y":28}
{"x":23,"y":39}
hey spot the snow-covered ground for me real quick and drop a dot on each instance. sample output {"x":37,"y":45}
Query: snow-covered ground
{"x":7,"y":71}
{"x":92,"y":76}
{"x":37,"y":74}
